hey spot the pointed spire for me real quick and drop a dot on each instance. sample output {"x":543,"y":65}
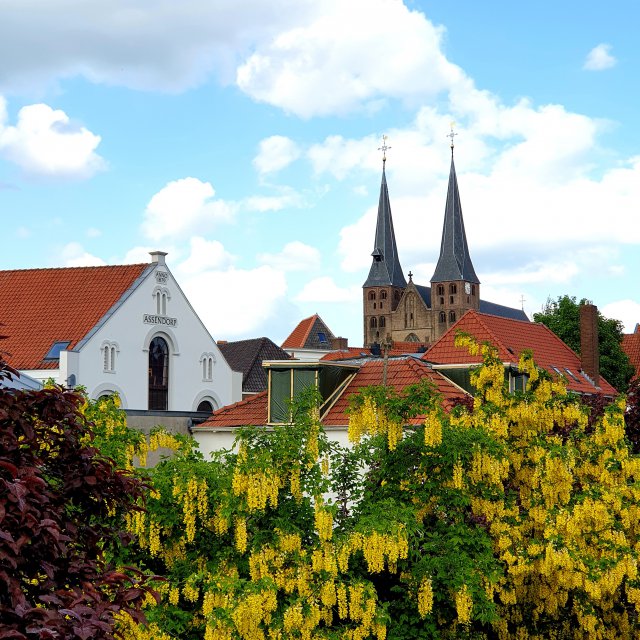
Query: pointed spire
{"x":385,"y":268}
{"x":454,"y":262}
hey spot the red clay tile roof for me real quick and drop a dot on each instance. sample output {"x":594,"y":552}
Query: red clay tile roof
{"x":305,"y":335}
{"x":631,"y":346}
{"x":299,"y":335}
{"x":345,"y":354}
{"x":252,"y":411}
{"x":511,"y":338}
{"x":400,"y":373}
{"x":39,"y":307}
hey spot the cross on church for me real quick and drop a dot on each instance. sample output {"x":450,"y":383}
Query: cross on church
{"x":522,"y":301}
{"x":451,"y":135}
{"x":384,"y":148}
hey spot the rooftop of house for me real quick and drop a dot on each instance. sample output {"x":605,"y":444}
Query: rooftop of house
{"x":41,"y":309}
{"x":310,"y":333}
{"x":512,"y":337}
{"x":247,"y":356}
{"x":401,"y":372}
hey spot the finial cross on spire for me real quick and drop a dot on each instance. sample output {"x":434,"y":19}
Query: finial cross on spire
{"x":384,"y":148}
{"x":451,"y":135}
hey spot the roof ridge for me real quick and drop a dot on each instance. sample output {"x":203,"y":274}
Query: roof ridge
{"x":314,"y":317}
{"x":95,"y":266}
{"x":228,"y":407}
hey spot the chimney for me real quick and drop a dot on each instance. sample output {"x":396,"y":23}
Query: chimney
{"x":589,"y":352}
{"x":157,"y":256}
{"x":339,"y":344}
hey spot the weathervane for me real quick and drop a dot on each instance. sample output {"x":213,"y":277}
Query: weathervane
{"x":451,"y":134}
{"x":384,"y":148}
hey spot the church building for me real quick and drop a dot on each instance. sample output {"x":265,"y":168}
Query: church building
{"x":401,"y":311}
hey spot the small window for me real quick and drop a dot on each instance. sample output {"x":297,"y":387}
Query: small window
{"x":322,"y":337}
{"x":109,"y":350}
{"x":441,"y":300}
{"x":453,"y":288}
{"x":383,"y":295}
{"x":56,"y":349}
{"x":440,"y":289}
{"x":473,"y":289}
{"x":205,"y":406}
{"x":373,"y":323}
{"x":443,"y":316}
{"x":372,"y":295}
{"x":452,"y":316}
{"x":450,"y":299}
{"x":382,"y":322}
{"x":207,"y":360}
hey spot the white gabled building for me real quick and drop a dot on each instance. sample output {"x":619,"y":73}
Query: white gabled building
{"x":127,"y":329}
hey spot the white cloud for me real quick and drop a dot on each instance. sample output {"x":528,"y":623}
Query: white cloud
{"x":204,"y":255}
{"x":347,"y":55}
{"x":324,"y":289}
{"x":275,"y":153}
{"x":93,"y":232}
{"x":288,"y":199}
{"x":599,"y":58}
{"x":73,"y":254}
{"x":46,"y":142}
{"x":295,"y":256}
{"x":184,"y":206}
{"x":162,"y":45}
{"x":627,"y":311}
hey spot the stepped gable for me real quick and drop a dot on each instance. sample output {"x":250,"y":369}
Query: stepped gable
{"x":511,"y":338}
{"x":39,"y":307}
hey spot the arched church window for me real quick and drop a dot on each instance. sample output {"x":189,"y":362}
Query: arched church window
{"x":440,"y":289}
{"x":373,"y":323}
{"x":452,"y":316}
{"x":412,"y":337}
{"x":443,"y":316}
{"x":453,"y":288}
{"x":383,"y":295}
{"x":205,"y":405}
{"x":473,"y":289}
{"x":158,"y":374}
{"x":382,"y":322}
{"x":372,"y":295}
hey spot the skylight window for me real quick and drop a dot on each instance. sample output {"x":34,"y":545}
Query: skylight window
{"x":56,"y":348}
{"x":571,"y":374}
{"x":322,"y":337}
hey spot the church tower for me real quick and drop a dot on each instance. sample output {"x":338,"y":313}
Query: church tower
{"x":384,"y":286}
{"x":455,"y":287}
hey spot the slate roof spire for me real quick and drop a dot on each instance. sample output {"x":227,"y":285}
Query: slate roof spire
{"x":385,"y":268}
{"x":454,"y":262}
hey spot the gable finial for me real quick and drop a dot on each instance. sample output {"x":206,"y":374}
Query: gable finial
{"x":451,"y":134}
{"x":384,"y":148}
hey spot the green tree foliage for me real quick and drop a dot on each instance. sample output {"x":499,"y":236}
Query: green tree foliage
{"x":562,"y":316}
{"x":60,"y":503}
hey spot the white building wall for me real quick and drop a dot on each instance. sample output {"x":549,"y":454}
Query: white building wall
{"x":127,"y":330}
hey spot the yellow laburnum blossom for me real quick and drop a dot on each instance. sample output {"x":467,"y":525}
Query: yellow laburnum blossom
{"x":464,"y":605}
{"x":425,"y":597}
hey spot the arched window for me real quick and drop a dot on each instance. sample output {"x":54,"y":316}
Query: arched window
{"x":452,"y":316}
{"x":473,"y":289}
{"x":162,"y":296}
{"x":109,"y":351}
{"x":412,"y":337}
{"x":207,"y":360}
{"x":443,"y":316}
{"x":383,"y":295}
{"x":382,"y":322}
{"x":453,"y":288}
{"x":373,"y":323}
{"x":440,"y":289}
{"x":372,"y":295}
{"x":205,"y":405}
{"x":158,"y":374}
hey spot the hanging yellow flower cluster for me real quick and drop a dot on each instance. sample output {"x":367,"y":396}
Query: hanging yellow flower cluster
{"x":368,"y":419}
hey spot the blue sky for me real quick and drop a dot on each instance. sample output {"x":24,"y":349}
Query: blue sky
{"x":242,"y":137}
